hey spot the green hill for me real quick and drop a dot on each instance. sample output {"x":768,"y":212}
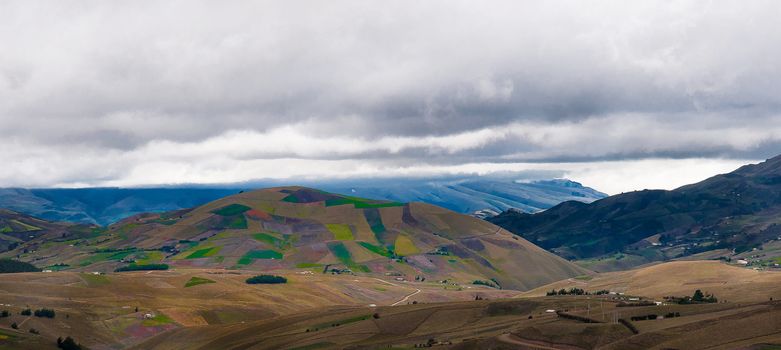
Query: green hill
{"x":301,"y":228}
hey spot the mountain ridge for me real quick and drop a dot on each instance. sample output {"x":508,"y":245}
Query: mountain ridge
{"x":735,"y":211}
{"x":464,"y":194}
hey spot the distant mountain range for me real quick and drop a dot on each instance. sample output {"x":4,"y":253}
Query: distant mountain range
{"x":725,"y":214}
{"x":471,"y":194}
{"x":104,"y":206}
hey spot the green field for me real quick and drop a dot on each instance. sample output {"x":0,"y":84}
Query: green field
{"x":376,"y":249}
{"x":374,"y":220}
{"x":340,"y":252}
{"x":341,"y":232}
{"x":231,"y":210}
{"x":272,"y":240}
{"x":259,"y":254}
{"x":194,"y":281}
{"x":158,"y":320}
{"x":308,"y":265}
{"x":204,"y":253}
{"x":237,"y":222}
{"x":361,"y":203}
{"x":150,"y":257}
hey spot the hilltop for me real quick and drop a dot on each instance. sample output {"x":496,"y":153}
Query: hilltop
{"x":301,"y":228}
{"x":726,"y":214}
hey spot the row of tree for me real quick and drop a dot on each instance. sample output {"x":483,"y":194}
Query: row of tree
{"x":48,"y":313}
{"x":575,"y":291}
{"x":145,"y":267}
{"x":266,"y":279}
{"x":697,"y":298}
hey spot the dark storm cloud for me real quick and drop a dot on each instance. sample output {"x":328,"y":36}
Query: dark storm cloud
{"x":109,"y":92}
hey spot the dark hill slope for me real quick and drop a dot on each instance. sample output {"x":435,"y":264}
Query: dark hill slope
{"x":738,"y":210}
{"x":16,"y":229}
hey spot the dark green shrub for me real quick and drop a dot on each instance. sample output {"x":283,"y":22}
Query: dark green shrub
{"x":14,"y":266}
{"x":26,"y":312}
{"x":146,"y":267}
{"x":266,"y":279}
{"x":49,"y":313}
{"x":68,"y":344}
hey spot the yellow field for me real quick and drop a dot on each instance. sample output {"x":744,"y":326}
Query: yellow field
{"x":680,"y":278}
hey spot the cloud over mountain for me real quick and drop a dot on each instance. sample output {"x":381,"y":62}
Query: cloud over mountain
{"x":152,"y":93}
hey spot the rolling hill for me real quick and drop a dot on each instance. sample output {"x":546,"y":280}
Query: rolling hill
{"x":16,"y":229}
{"x":734,"y":212}
{"x":301,"y":228}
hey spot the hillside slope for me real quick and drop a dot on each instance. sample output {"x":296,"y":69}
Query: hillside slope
{"x":296,"y":227}
{"x":744,"y":318}
{"x":17,"y":229}
{"x":735,"y":211}
{"x":679,"y":278}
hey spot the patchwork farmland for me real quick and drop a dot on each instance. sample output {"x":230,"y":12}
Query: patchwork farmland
{"x":301,"y":228}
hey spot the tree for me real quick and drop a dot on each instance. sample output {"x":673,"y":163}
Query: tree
{"x":698,"y":296}
{"x":68,"y":344}
{"x":266,"y":279}
{"x":45,"y":313}
{"x":13,"y":266}
{"x":145,"y":267}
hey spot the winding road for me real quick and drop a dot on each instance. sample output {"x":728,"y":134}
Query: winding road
{"x":406,"y":297}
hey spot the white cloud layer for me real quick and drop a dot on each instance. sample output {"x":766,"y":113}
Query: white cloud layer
{"x":619,"y":95}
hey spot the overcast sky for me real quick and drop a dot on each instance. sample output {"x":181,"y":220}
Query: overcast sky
{"x":619,"y":95}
